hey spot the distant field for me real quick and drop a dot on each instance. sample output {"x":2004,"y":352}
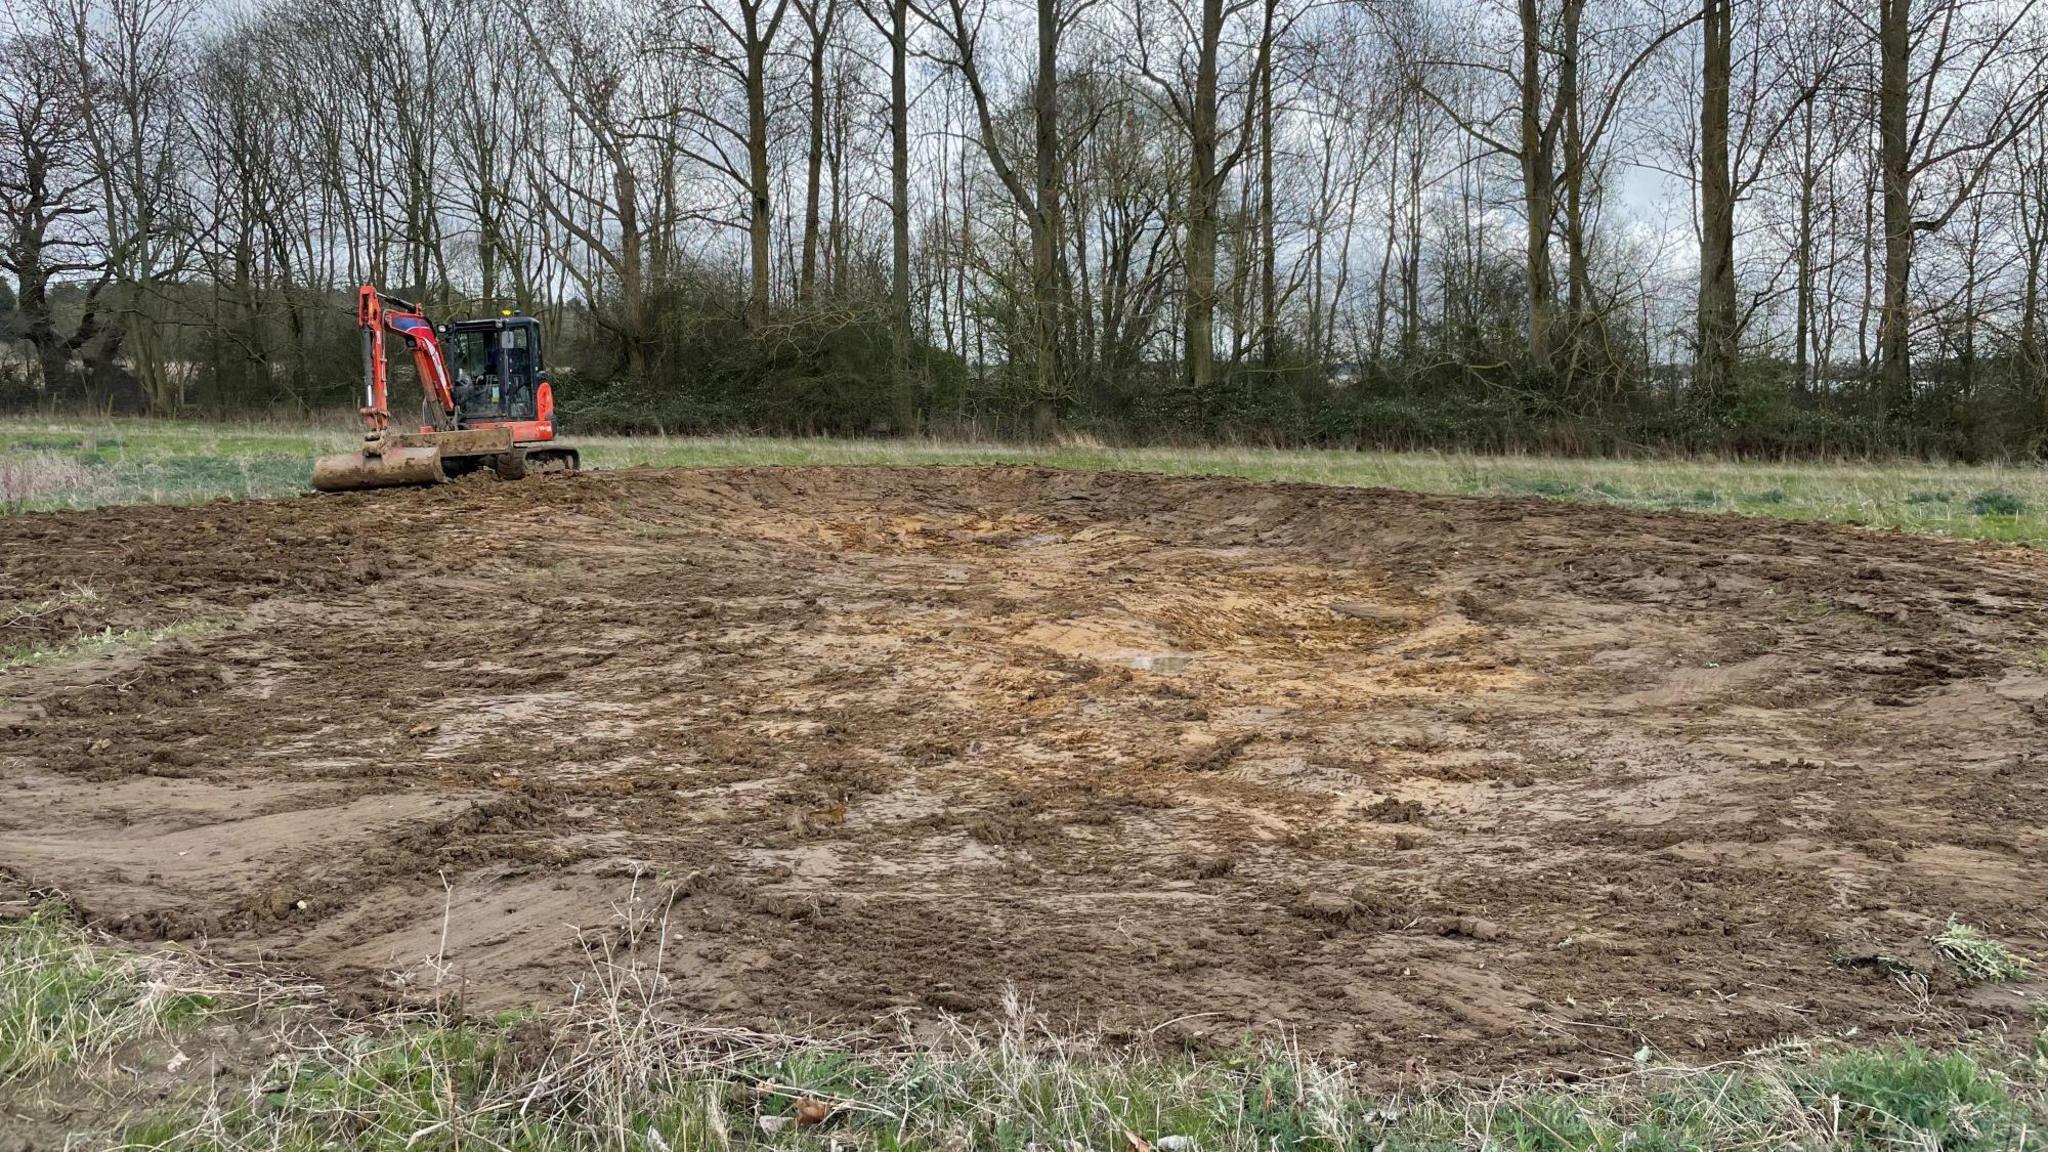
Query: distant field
{"x":78,"y":464}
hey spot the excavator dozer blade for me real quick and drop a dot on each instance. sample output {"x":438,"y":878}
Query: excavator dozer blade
{"x":393,"y":467}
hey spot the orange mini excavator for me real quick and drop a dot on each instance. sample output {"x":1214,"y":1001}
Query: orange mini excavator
{"x":489,"y":403}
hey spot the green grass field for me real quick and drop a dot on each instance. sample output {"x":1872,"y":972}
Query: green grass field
{"x":78,"y":464}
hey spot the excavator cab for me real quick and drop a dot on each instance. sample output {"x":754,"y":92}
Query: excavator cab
{"x":497,"y":366}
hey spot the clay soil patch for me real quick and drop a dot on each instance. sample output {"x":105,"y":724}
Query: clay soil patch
{"x":1466,"y":783}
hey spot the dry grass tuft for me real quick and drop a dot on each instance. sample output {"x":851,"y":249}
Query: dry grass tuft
{"x":619,"y":1069}
{"x":34,"y":476}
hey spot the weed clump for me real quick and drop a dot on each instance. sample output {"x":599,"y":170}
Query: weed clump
{"x":1908,"y":1097}
{"x":1997,"y":503}
{"x":65,"y":1002}
{"x":1977,"y":956}
{"x":1544,"y":486}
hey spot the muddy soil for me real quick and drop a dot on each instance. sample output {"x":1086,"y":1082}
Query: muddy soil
{"x":1428,"y":782}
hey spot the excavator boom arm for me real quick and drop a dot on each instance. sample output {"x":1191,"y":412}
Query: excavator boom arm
{"x":376,"y":312}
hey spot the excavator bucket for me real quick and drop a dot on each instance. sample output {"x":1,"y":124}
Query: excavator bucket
{"x":393,"y":459}
{"x":394,"y":467}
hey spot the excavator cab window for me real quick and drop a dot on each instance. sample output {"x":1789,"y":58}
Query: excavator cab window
{"x":497,"y":367}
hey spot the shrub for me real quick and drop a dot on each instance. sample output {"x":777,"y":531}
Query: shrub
{"x":1997,"y":503}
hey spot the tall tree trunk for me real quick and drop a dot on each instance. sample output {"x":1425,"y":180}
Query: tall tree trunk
{"x":757,"y":39}
{"x":1588,"y":328}
{"x":1539,"y":191}
{"x":1411,"y":256}
{"x":53,"y":354}
{"x":1873,"y":181}
{"x":836,"y":232}
{"x":899,"y":215}
{"x":1383,"y":297}
{"x":1804,"y":289}
{"x":758,"y":219}
{"x":1269,"y":288}
{"x":1045,"y":229}
{"x":632,"y":287}
{"x":1714,"y":372}
{"x":1894,"y":63}
{"x":814,"y":156}
{"x":1200,"y":309}
{"x":2033,"y":359}
{"x":962,"y":258}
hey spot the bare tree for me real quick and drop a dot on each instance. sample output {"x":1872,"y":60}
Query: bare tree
{"x":1717,"y":351}
{"x":1188,"y":83}
{"x":754,"y":34}
{"x":1958,"y":83}
{"x":1037,"y":200}
{"x":893,"y":22}
{"x":582,"y":52}
{"x":819,"y":17}
{"x":127,"y":55}
{"x":44,"y":175}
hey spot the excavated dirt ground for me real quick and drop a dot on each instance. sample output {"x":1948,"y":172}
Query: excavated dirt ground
{"x":1461,"y":784}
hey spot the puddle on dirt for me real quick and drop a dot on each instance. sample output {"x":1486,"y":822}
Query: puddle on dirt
{"x":1160,"y":662}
